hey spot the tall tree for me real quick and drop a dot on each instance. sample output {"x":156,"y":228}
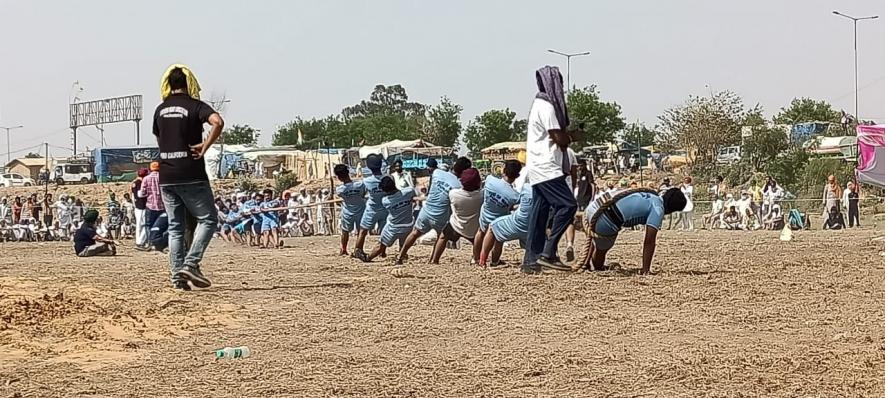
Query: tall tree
{"x":240,"y":135}
{"x":763,"y":145}
{"x":601,"y":119}
{"x":520,"y":129}
{"x":492,"y":127}
{"x":386,"y":115}
{"x":637,"y":132}
{"x":703,"y":124}
{"x":443,"y":124}
{"x":802,"y":110}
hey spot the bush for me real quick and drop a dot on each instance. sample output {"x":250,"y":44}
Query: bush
{"x":815,"y":173}
{"x":246,"y":184}
{"x":285,"y":181}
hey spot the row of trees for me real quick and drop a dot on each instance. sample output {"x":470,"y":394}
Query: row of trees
{"x":389,"y":114}
{"x":702,"y":124}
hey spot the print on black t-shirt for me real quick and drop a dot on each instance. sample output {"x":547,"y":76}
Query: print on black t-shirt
{"x":178,"y":124}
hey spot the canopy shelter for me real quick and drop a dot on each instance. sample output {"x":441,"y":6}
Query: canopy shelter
{"x":514,"y":146}
{"x":871,"y":161}
{"x":395,"y":147}
{"x":844,"y":146}
{"x":306,"y":165}
{"x":225,"y":157}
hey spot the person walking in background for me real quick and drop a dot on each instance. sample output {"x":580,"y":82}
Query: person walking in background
{"x":851,"y":200}
{"x":150,"y":192}
{"x":141,"y":228}
{"x":688,"y":210}
{"x":184,"y":184}
{"x":548,"y":166}
{"x":832,"y":195}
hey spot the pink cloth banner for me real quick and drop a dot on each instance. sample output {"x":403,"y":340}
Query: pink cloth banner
{"x":871,"y":148}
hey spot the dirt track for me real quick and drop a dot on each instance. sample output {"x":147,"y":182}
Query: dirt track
{"x":726,"y":314}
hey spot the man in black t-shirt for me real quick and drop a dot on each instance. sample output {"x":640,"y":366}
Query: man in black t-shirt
{"x":178,"y":125}
{"x":88,"y":243}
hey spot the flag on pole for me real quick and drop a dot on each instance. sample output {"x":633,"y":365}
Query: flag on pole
{"x":300,"y":137}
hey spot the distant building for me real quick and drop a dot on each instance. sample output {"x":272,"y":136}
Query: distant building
{"x":28,"y":167}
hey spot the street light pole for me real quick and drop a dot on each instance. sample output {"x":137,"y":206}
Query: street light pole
{"x":568,"y":63}
{"x":856,"y":88}
{"x":8,"y":148}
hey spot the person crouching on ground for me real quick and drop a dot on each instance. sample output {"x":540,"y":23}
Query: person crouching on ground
{"x":87,"y":241}
{"x":640,"y":208}
{"x":466,"y":203}
{"x":398,"y":206}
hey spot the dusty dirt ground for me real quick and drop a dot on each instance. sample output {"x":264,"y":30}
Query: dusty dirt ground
{"x":725,"y":314}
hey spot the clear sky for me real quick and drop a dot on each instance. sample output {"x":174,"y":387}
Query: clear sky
{"x":279,"y":59}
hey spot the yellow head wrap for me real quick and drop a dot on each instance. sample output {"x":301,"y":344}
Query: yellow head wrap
{"x":193,"y":87}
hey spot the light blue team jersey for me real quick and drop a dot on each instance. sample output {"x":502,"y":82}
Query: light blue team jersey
{"x":248,"y":207}
{"x":354,"y":196}
{"x":375,"y":193}
{"x":399,"y":207}
{"x":498,"y":197}
{"x":233,"y":217}
{"x":524,"y":211}
{"x":273,"y":215}
{"x":438,"y":206}
{"x":637,"y":209}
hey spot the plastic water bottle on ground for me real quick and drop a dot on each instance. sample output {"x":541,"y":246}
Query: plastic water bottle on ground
{"x":233,"y":353}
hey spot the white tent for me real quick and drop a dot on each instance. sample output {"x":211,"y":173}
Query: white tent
{"x":213,"y":156}
{"x":393,"y":147}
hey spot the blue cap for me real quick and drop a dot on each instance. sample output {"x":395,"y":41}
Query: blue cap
{"x":431,"y":163}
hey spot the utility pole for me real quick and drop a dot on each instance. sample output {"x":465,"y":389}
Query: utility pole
{"x":8,"y":147}
{"x":46,"y":189}
{"x":100,"y":129}
{"x":856,"y":88}
{"x":568,"y":63}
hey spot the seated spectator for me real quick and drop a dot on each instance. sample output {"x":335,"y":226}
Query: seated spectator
{"x":714,"y":217}
{"x":87,"y":241}
{"x":731,"y":219}
{"x":798,"y":220}
{"x":775,"y":219}
{"x":835,"y":220}
{"x":127,"y":229}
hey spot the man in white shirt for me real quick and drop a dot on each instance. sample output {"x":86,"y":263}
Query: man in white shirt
{"x":403,"y":179}
{"x":548,"y":166}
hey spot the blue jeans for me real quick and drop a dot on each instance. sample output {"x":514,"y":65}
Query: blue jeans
{"x":159,"y":236}
{"x":197,"y":200}
{"x":546,"y":196}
